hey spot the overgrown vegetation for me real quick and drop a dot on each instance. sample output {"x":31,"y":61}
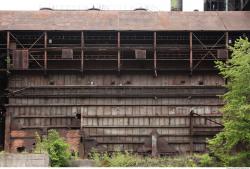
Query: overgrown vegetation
{"x":57,"y":149}
{"x":232,"y":146}
{"x":126,"y":159}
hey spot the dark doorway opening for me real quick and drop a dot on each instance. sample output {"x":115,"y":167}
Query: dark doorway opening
{"x":3,"y":101}
{"x":2,"y":128}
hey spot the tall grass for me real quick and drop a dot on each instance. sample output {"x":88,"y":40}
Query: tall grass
{"x":126,"y":159}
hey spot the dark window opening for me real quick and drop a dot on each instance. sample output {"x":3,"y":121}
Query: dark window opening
{"x":215,"y":5}
{"x":20,"y":149}
{"x":201,"y":83}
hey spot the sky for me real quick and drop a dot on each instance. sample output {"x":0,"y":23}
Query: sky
{"x":153,"y":5}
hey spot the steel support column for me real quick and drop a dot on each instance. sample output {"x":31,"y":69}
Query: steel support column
{"x":154,"y":140}
{"x":155,"y":55}
{"x":191,"y":52}
{"x":226,"y":46}
{"x":82,"y":51}
{"x":226,"y":41}
{"x":191,"y":142}
{"x":45,"y":51}
{"x":8,"y":50}
{"x":119,"y":51}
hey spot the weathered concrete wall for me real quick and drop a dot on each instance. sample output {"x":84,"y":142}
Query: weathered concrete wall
{"x":24,"y":160}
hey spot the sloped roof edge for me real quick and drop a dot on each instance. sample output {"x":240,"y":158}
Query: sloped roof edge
{"x":125,"y":20}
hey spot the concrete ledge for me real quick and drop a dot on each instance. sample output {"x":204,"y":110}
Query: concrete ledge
{"x":23,"y":160}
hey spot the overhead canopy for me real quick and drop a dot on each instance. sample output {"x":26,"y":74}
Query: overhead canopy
{"x":125,"y":20}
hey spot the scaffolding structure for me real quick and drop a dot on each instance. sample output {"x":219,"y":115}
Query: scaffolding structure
{"x":115,"y":51}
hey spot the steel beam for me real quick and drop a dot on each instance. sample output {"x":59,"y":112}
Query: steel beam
{"x":226,"y":41}
{"x":227,"y":47}
{"x":33,"y":44}
{"x":207,"y":117}
{"x":209,"y":50}
{"x":102,"y":105}
{"x":191,"y":132}
{"x":16,"y":40}
{"x":82,"y":51}
{"x":139,"y":126}
{"x":45,"y":51}
{"x":154,"y":140}
{"x":191,"y":52}
{"x":155,"y":54}
{"x":119,"y":50}
{"x":8,"y":50}
{"x":82,"y":138}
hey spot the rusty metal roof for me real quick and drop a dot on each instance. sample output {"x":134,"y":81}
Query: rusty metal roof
{"x":124,"y":20}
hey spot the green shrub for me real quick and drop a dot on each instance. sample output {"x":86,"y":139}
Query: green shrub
{"x":204,"y":160}
{"x":100,"y":160}
{"x":179,"y":161}
{"x":119,"y":159}
{"x":56,"y":147}
{"x":123,"y":159}
{"x":232,"y":145}
{"x":2,"y":153}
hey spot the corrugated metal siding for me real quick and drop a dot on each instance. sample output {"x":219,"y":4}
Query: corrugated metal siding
{"x":113,"y":122}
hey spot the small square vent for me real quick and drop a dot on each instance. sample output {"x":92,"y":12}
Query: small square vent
{"x":140,"y":54}
{"x":67,"y":53}
{"x":222,"y":53}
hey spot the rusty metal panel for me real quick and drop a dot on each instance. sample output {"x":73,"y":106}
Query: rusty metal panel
{"x":105,"y":80}
{"x":21,"y":59}
{"x":124,"y":20}
{"x":222,"y":53}
{"x":67,"y":53}
{"x":114,"y":122}
{"x":140,"y":54}
{"x":13,"y":45}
